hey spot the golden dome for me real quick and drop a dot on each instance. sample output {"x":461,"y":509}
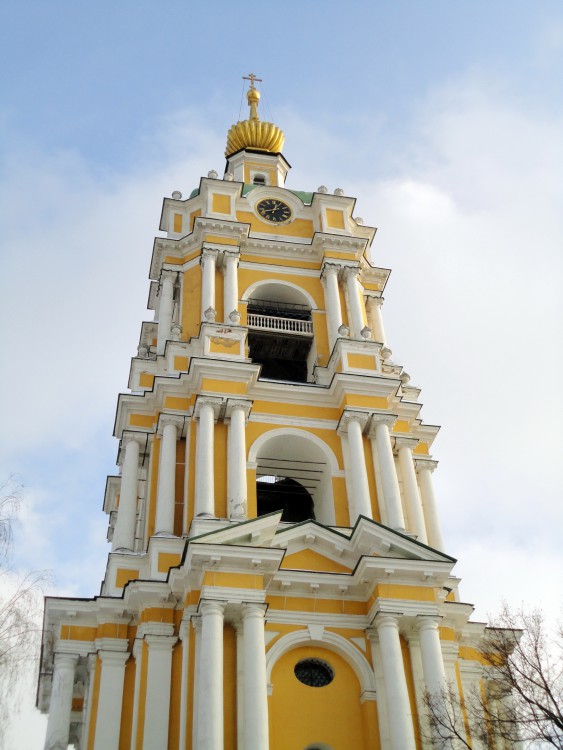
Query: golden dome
{"x":253,"y":133}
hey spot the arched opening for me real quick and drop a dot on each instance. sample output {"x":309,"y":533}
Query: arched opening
{"x":280,"y":334}
{"x":283,"y":493}
{"x":294,"y":474}
{"x":259,"y":179}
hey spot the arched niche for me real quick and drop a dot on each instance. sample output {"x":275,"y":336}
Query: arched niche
{"x":319,"y":718}
{"x":303,"y":457}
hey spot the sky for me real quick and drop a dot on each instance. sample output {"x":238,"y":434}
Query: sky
{"x":443,"y":119}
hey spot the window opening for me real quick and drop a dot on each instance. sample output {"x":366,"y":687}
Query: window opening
{"x":314,"y":672}
{"x":259,"y":179}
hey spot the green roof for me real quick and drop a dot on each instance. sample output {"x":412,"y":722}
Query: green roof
{"x":303,"y":196}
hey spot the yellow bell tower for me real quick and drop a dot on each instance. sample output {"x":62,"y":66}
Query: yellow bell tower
{"x":277,"y":577}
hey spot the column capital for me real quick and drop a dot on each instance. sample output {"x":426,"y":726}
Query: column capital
{"x":372,"y":634}
{"x":216,"y":402}
{"x":351,"y":415}
{"x":160,"y":642}
{"x":211,"y":607}
{"x":425,"y":464}
{"x":231,"y":256}
{"x":174,"y":419}
{"x":351,"y":272}
{"x":406,"y":442}
{"x":378,"y":418}
{"x":372,"y":298}
{"x":238,"y":403}
{"x":131,"y":436}
{"x":387,"y":619}
{"x":253,"y":609}
{"x":329,"y":267}
{"x":63,"y":660}
{"x":155,"y":628}
{"x":167,"y":274}
{"x":117,"y":658}
{"x":428,"y":622}
{"x":208,"y":253}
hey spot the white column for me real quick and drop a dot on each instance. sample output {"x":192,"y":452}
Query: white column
{"x":157,"y":702}
{"x":379,"y":431}
{"x":240,"y":683}
{"x":108,"y":719}
{"x":431,"y":653}
{"x":410,"y":488}
{"x":230,"y":292}
{"x":138,"y":656}
{"x":429,"y":506}
{"x":124,"y":531}
{"x":210,"y":704}
{"x":401,"y":732}
{"x":60,"y":706}
{"x":334,"y":310}
{"x":184,"y":633}
{"x":165,"y":309}
{"x":92,"y":660}
{"x":355,"y":300}
{"x":208,"y":261}
{"x":236,"y":414}
{"x":255,"y":702}
{"x":206,"y":412}
{"x":354,"y":423}
{"x":168,"y":427}
{"x":375,"y":321}
{"x":196,"y":622}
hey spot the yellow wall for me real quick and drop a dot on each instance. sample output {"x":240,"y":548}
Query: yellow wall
{"x":191,"y":302}
{"x":301,"y":715}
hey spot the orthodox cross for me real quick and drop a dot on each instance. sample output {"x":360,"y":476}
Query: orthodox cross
{"x":251,"y":77}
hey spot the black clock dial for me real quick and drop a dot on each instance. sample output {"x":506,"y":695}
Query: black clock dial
{"x":274,"y":210}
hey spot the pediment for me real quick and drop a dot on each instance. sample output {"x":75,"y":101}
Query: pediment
{"x":310,"y":559}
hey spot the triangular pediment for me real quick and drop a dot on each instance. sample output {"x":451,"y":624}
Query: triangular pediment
{"x":310,"y":559}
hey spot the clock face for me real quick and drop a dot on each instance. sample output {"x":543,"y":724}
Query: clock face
{"x":274,"y":210}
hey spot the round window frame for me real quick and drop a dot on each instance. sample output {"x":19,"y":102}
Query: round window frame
{"x":323,"y":666}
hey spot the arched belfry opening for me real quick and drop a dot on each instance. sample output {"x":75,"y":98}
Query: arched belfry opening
{"x":293,"y":474}
{"x":280,"y":332}
{"x":278,"y":492}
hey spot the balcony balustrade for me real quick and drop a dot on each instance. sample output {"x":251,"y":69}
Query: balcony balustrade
{"x":280,"y":325}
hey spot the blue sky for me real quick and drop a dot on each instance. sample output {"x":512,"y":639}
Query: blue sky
{"x":443,"y":118}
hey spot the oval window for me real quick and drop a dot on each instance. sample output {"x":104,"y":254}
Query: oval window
{"x":314,"y":672}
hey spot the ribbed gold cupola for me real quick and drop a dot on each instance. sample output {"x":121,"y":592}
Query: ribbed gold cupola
{"x":254,"y":133}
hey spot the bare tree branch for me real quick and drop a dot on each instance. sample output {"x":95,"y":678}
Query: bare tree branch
{"x":521,"y":703}
{"x":20,"y":613}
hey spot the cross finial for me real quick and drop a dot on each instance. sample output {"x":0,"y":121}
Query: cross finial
{"x":251,"y":77}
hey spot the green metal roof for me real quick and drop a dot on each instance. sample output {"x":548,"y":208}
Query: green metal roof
{"x":303,"y":196}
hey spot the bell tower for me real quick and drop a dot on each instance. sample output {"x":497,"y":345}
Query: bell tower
{"x":277,"y":576}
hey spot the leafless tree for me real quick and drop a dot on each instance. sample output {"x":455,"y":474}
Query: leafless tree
{"x":20,"y":607}
{"x":520,"y":704}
